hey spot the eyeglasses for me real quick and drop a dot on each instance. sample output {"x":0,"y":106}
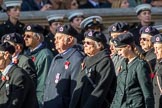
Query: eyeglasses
{"x":144,"y":39}
{"x":88,"y":43}
{"x":27,"y":36}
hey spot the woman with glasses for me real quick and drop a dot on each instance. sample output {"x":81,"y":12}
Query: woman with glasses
{"x":97,"y":80}
{"x":134,"y":86}
{"x":145,"y":41}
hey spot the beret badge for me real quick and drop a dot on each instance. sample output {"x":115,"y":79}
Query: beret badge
{"x":61,"y":29}
{"x":115,"y":43}
{"x":157,"y":39}
{"x":7,"y":37}
{"x":90,"y":33}
{"x":113,"y":28}
{"x":28,"y":28}
{"x":147,"y":30}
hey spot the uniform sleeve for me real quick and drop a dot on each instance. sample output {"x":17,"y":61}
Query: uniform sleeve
{"x":42,"y":72}
{"x":105,"y":77}
{"x":75,"y":71}
{"x":145,"y":84}
{"x":18,"y":90}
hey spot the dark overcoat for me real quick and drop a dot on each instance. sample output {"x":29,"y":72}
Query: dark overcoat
{"x":18,"y":91}
{"x":61,"y":79}
{"x":95,"y":82}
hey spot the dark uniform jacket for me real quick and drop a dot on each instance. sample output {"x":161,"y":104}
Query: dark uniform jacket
{"x":18,"y":91}
{"x":61,"y":79}
{"x":49,"y":40}
{"x":95,"y":82}
{"x":42,"y":58}
{"x":157,"y":84}
{"x":134,"y":86}
{"x":7,"y":27}
{"x":28,"y":65}
{"x":151,"y":58}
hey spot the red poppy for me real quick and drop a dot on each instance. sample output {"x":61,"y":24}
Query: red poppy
{"x":67,"y":63}
{"x":15,"y":61}
{"x":3,"y":78}
{"x":33,"y":58}
{"x":152,"y":75}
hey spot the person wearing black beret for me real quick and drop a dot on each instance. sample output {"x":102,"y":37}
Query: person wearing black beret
{"x":16,"y":87}
{"x":21,"y":60}
{"x":134,"y":86}
{"x":61,"y":78}
{"x":114,"y":30}
{"x":40,"y":54}
{"x":12,"y":24}
{"x":146,"y":33}
{"x":96,"y":81}
{"x":157,"y":42}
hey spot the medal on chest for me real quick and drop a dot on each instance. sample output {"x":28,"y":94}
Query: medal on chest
{"x":57,"y":77}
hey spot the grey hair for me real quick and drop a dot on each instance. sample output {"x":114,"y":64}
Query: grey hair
{"x":39,"y":35}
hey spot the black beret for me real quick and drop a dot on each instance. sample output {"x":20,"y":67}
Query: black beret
{"x":118,"y":27}
{"x":66,"y":29}
{"x":123,"y":39}
{"x":13,"y":37}
{"x":156,"y":38}
{"x":96,"y":36}
{"x":34,"y":28}
{"x":7,"y":47}
{"x":149,"y":30}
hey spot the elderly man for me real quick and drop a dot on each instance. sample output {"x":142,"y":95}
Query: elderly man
{"x":40,"y":55}
{"x":18,"y":57}
{"x":61,"y":79}
{"x":16,"y":88}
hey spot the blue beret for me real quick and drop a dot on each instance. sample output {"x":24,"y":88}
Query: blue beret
{"x":149,"y":30}
{"x":34,"y":28}
{"x":156,"y":38}
{"x":7,"y":47}
{"x":118,"y":27}
{"x":66,"y":29}
{"x":96,"y":36}
{"x":13,"y":37}
{"x":123,"y":39}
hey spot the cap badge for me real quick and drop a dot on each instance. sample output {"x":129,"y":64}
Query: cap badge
{"x":147,"y":30}
{"x":113,"y":28}
{"x":115,"y":43}
{"x":7,"y":37}
{"x":94,"y":20}
{"x":157,"y":39}
{"x":90,"y":34}
{"x":28,"y":28}
{"x":61,"y":29}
